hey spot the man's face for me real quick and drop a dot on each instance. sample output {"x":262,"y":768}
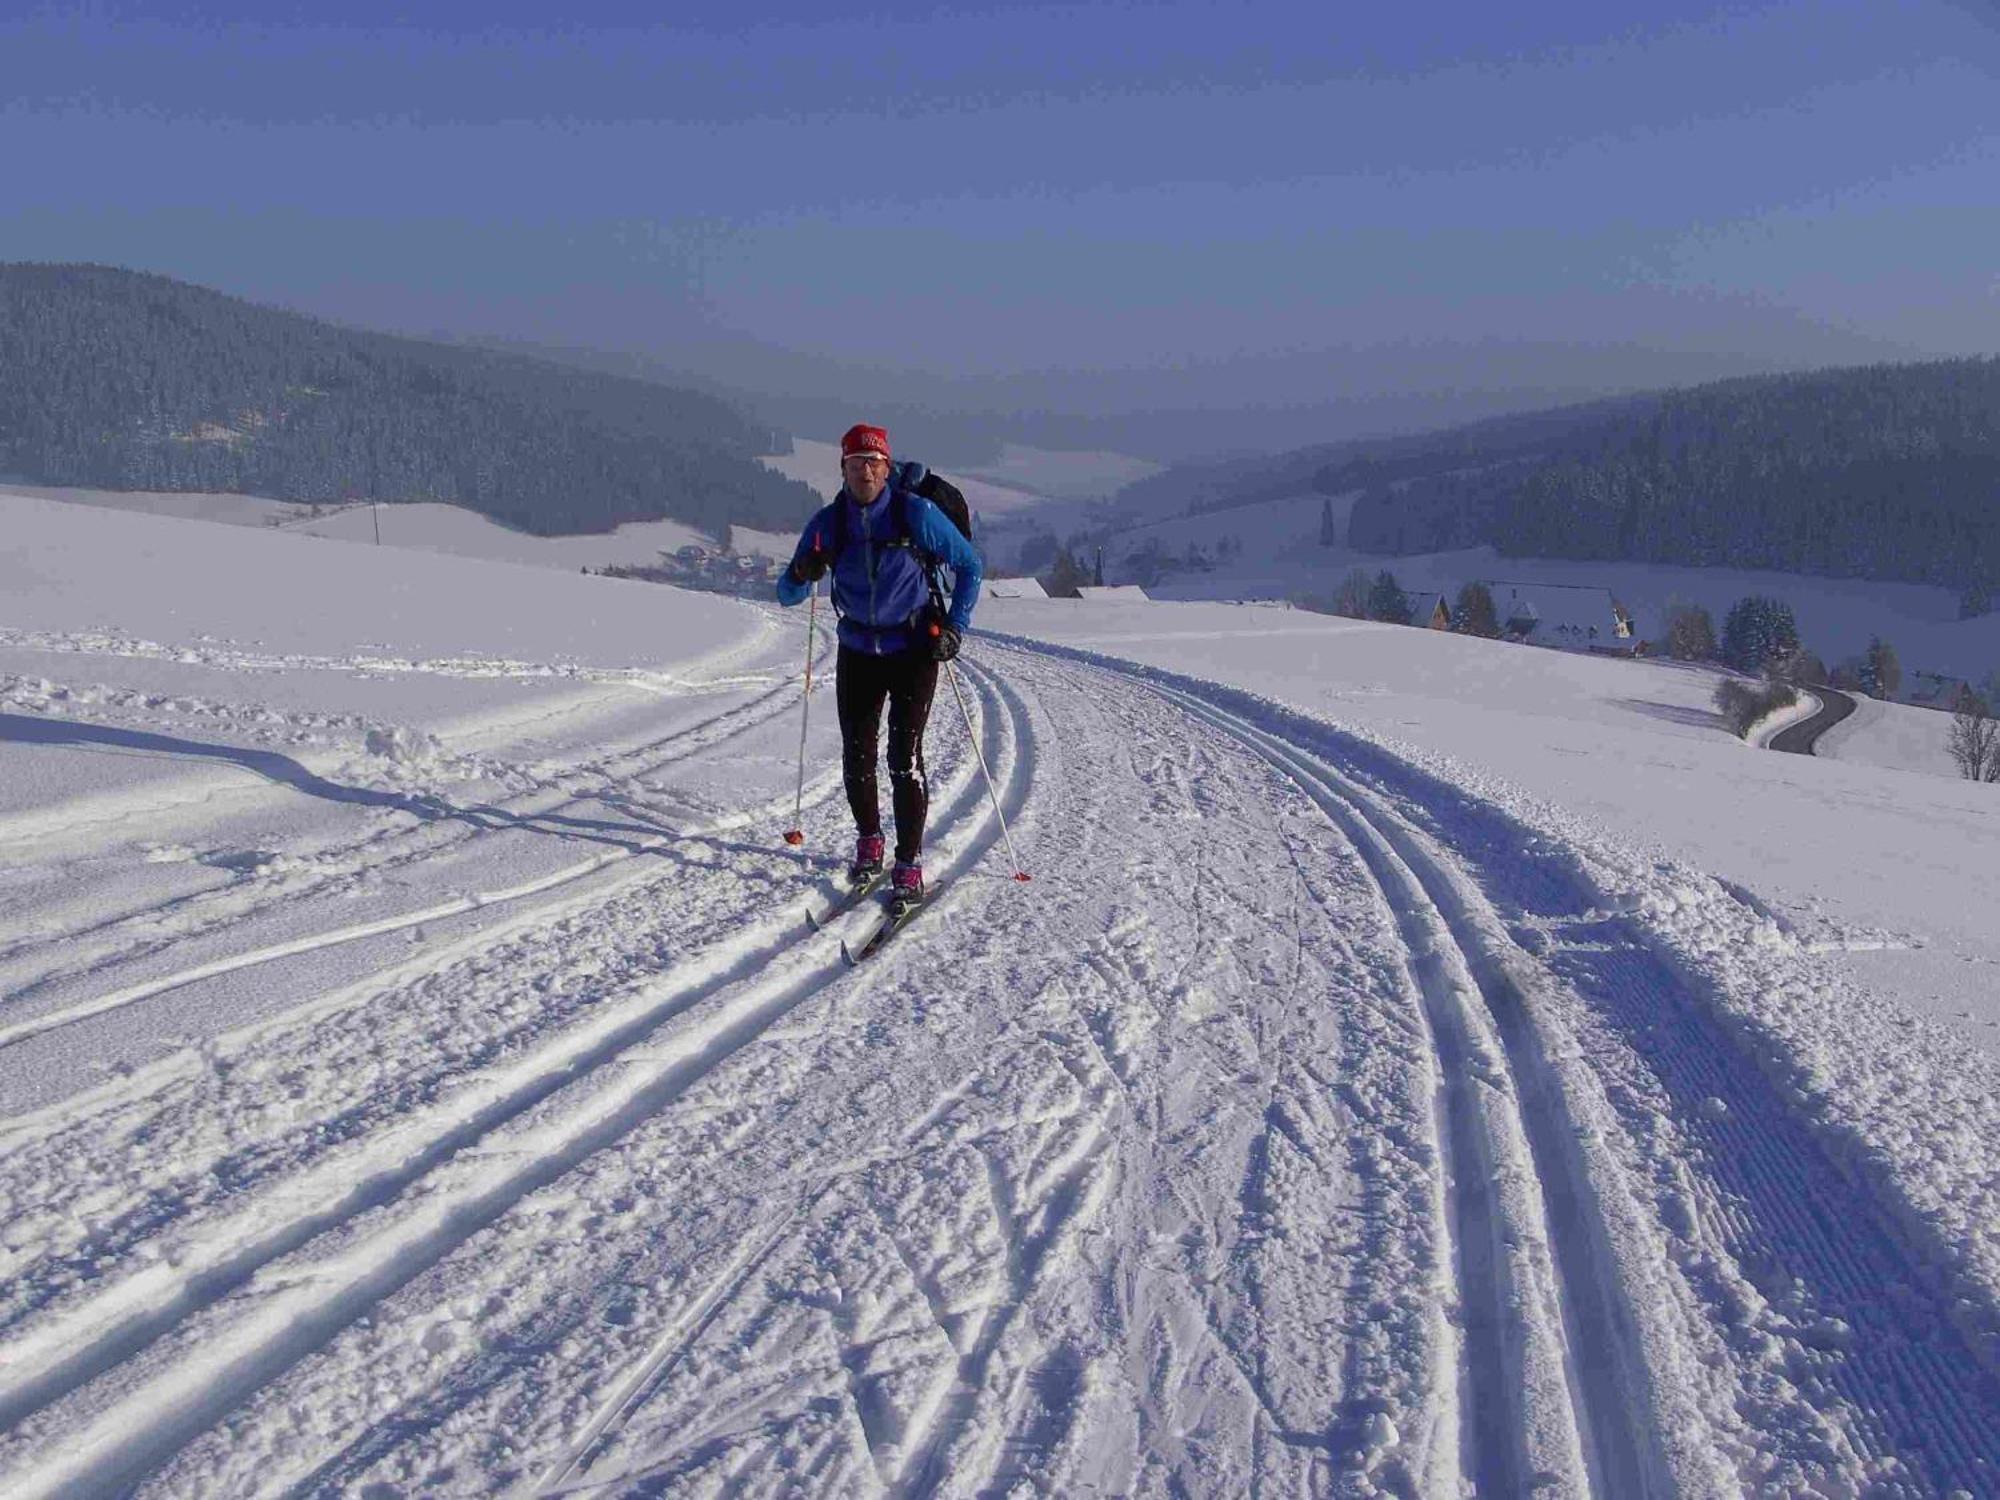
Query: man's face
{"x":866,"y":474}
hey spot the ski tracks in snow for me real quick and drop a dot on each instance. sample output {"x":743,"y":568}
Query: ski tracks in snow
{"x":59,"y":973}
{"x":1306,"y":1126}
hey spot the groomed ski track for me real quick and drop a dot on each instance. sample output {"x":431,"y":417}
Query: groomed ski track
{"x":1306,"y":1127}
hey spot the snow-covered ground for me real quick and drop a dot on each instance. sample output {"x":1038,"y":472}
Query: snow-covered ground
{"x":1419,"y":1066}
{"x":1281,"y":558}
{"x":425,"y":527}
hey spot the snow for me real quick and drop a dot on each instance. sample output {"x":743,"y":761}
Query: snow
{"x":1281,"y":558}
{"x":1114,"y":593}
{"x":1013,"y":588}
{"x":1418,"y":1066}
{"x":1857,"y":852}
{"x":1892,"y":736}
{"x":1778,"y":720}
{"x":425,"y":526}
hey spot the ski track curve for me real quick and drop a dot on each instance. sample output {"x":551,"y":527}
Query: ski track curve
{"x":1530,"y":1392}
{"x":1307,"y":1126}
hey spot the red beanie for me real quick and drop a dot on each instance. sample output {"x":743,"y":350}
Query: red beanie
{"x":861,"y":438}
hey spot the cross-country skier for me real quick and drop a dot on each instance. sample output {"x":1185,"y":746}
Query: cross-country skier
{"x":881,"y":543}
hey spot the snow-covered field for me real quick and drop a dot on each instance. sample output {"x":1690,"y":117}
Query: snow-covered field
{"x":1418,"y":1066}
{"x":425,"y":527}
{"x":1281,"y":558}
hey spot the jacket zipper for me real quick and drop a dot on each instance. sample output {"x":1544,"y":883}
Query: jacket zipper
{"x":868,"y":554}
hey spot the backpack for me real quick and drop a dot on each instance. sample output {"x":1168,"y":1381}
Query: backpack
{"x":942,"y":493}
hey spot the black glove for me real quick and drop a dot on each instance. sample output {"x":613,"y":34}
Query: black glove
{"x":808,"y":567}
{"x":944,"y":641}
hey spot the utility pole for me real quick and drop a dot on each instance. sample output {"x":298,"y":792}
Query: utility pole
{"x":375,"y":515}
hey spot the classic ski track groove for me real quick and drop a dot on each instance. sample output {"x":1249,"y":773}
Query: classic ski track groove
{"x":604,"y":1427}
{"x":1502,"y":1106}
{"x":1842,"y":1251}
{"x":339,"y":937}
{"x":142,"y":1427}
{"x":1488,"y":1134}
{"x":397,"y":849}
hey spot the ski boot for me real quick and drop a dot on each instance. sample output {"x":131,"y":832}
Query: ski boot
{"x":906,"y":884}
{"x":867,"y":864}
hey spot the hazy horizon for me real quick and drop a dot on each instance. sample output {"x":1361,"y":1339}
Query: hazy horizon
{"x":1174,"y":228}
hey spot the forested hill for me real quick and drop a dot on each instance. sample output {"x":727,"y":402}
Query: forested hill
{"x":119,"y":380}
{"x":1888,"y":472}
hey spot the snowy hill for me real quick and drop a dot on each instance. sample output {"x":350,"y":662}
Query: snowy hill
{"x":449,"y":529}
{"x":1417,"y":1064}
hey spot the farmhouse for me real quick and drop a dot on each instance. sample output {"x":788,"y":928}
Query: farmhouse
{"x":1574,"y":617}
{"x":1014,"y":588}
{"x":1429,"y":611}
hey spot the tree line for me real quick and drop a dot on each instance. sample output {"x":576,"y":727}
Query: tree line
{"x":1889,"y":472}
{"x":116,"y":379}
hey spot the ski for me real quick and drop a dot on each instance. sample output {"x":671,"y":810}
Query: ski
{"x":893,"y":922}
{"x":856,"y":894}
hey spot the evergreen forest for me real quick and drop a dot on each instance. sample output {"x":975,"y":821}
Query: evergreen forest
{"x":116,"y":379}
{"x":1887,"y":472}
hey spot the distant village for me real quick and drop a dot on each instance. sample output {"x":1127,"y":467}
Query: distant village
{"x":713,"y":570}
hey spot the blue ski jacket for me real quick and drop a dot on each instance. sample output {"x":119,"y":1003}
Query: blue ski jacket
{"x":878,"y":585}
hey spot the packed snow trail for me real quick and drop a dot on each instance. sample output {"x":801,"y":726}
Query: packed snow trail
{"x":602,"y":800}
{"x":1306,"y":1126}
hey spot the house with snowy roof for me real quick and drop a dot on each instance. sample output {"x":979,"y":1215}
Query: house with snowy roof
{"x":1429,"y":611}
{"x":1571,"y":616}
{"x":1112,"y":593}
{"x":1014,"y":588}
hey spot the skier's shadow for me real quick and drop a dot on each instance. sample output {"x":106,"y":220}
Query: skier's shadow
{"x":640,"y":836}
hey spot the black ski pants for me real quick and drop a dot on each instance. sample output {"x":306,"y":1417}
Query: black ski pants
{"x":861,"y":684}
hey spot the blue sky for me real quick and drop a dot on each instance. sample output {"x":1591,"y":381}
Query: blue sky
{"x":1168,"y":203}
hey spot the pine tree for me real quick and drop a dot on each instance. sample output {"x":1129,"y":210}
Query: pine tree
{"x":1066,"y":577}
{"x":1326,"y":532}
{"x":1386,"y":600}
{"x":1475,"y":614}
{"x":1758,"y":628}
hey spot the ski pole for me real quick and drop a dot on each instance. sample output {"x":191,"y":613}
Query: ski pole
{"x":951,"y":671}
{"x":796,"y":835}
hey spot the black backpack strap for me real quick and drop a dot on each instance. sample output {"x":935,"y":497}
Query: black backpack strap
{"x":901,"y":534}
{"x":837,"y":528}
{"x":899,"y":522}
